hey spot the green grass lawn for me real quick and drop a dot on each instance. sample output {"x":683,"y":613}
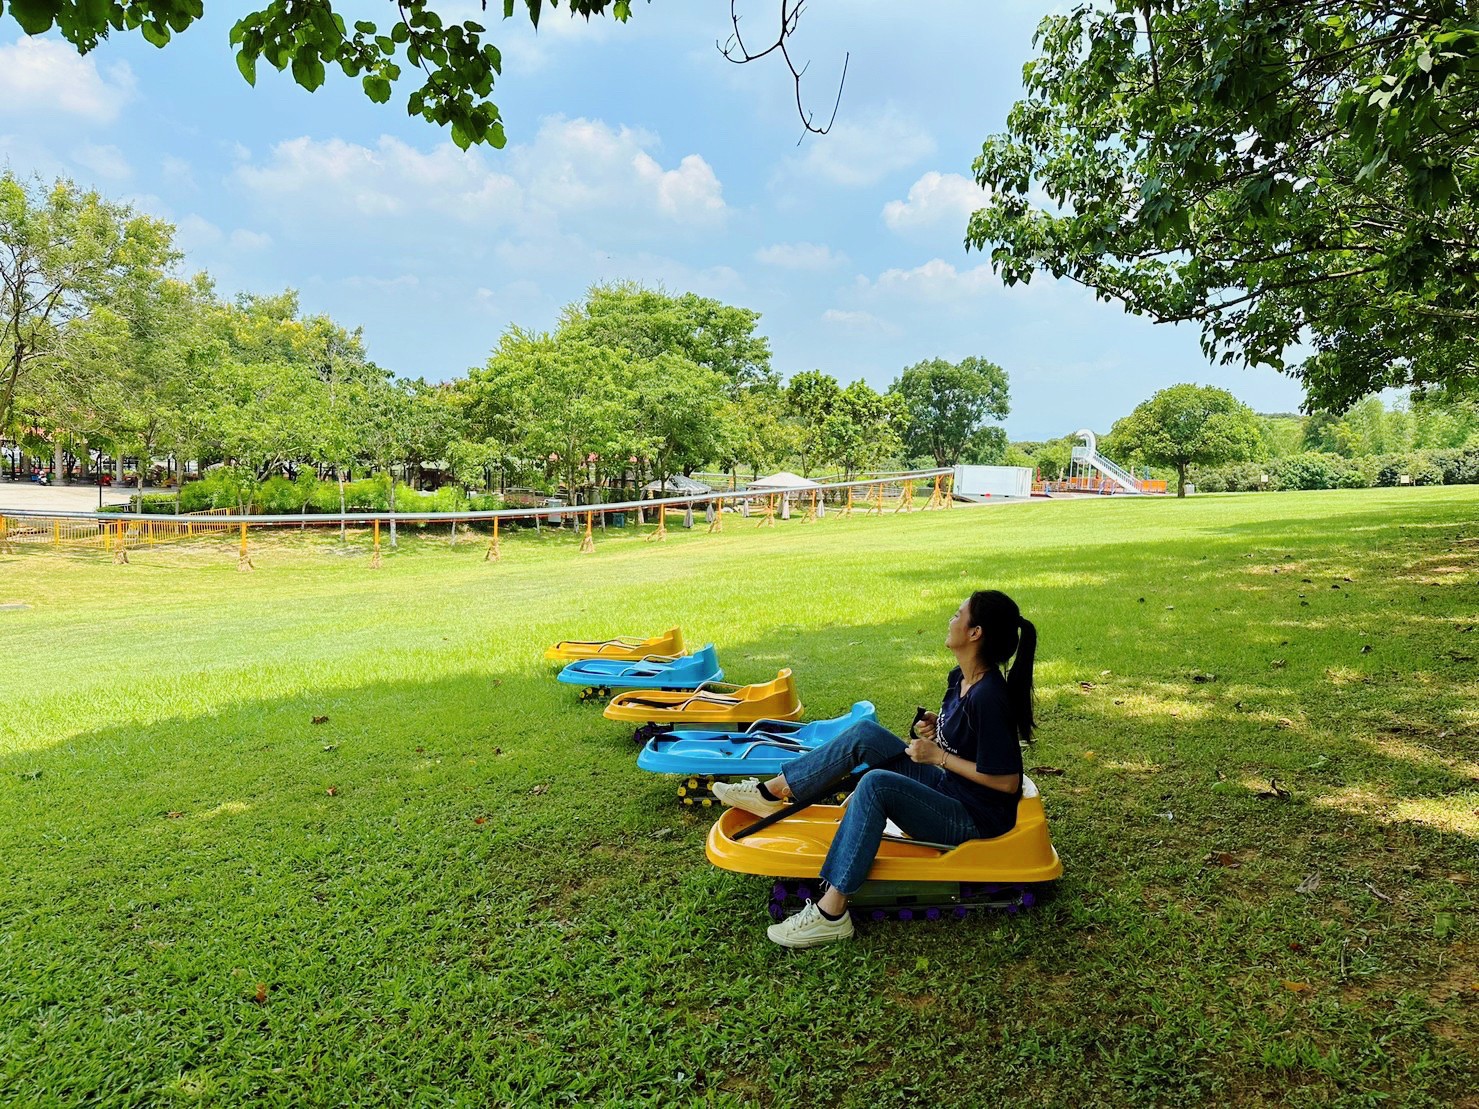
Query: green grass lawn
{"x":460,"y":890}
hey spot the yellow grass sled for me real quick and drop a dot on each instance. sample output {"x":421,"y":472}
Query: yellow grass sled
{"x":658,"y":710}
{"x":669,"y":644}
{"x":910,"y":879}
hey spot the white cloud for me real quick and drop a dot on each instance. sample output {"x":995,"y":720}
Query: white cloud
{"x":107,"y":162}
{"x":936,"y":280}
{"x":859,"y":322}
{"x":573,"y":171}
{"x":41,"y":75}
{"x":935,"y":199}
{"x":194,"y":233}
{"x":393,"y":179}
{"x":800,"y":256}
{"x":177,"y":171}
{"x":242,"y":239}
{"x":853,"y":154}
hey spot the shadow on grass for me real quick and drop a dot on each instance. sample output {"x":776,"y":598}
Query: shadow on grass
{"x":459,"y":887}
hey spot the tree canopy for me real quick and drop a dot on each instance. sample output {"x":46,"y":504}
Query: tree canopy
{"x":1188,"y":424}
{"x":948,"y":405}
{"x":454,"y":64}
{"x":1297,"y":177}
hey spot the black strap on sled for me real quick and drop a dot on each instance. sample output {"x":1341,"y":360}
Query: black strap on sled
{"x":848,"y":783}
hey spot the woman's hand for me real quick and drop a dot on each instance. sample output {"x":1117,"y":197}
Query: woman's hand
{"x":926,"y":751}
{"x":924,"y":727}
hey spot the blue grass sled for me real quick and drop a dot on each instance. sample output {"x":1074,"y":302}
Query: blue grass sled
{"x":600,"y":676}
{"x":762,"y":749}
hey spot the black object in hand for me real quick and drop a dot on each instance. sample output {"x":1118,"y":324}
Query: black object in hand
{"x":920,"y":712}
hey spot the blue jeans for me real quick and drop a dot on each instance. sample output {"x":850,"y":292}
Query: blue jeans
{"x":894,"y":788}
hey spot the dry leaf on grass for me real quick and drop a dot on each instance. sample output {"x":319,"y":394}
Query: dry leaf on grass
{"x":1275,"y":791}
{"x":173,"y":814}
{"x":480,"y":820}
{"x":1297,"y":987}
{"x":1224,"y":858}
{"x":1046,"y":771}
{"x":1309,"y":885}
{"x":332,"y":791}
{"x":541,"y":788}
{"x":320,"y":720}
{"x":260,"y":997}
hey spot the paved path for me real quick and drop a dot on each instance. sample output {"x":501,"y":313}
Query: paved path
{"x":55,"y":498}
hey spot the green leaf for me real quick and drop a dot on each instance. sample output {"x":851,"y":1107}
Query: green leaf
{"x":34,"y":16}
{"x":154,"y":34}
{"x":400,"y":33}
{"x":377,"y":88}
{"x":364,"y":27}
{"x":248,"y":65}
{"x":308,"y":71}
{"x":1442,"y":924}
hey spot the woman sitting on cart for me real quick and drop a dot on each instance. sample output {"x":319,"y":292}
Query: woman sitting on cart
{"x":960,"y":778}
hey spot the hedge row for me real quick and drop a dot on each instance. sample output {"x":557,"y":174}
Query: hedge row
{"x":279,"y":496}
{"x":1314,"y":470}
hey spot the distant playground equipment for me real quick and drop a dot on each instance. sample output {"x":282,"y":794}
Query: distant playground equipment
{"x":1090,"y":472}
{"x":669,"y":644}
{"x":910,"y":879}
{"x":762,"y":749}
{"x":656,"y":711}
{"x":599,"y":676}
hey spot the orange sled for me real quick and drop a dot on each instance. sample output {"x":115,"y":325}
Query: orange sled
{"x":669,"y":643}
{"x":658,"y":710}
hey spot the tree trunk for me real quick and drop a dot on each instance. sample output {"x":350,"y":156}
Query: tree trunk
{"x":340,"y":475}
{"x":58,"y":460}
{"x":1181,"y":479}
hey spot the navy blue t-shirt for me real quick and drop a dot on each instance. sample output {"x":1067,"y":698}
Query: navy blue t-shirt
{"x":978,"y":727}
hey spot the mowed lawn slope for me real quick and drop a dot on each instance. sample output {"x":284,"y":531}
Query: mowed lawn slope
{"x":460,"y":890}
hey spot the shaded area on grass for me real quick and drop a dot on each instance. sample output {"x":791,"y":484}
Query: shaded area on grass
{"x":494,"y":906}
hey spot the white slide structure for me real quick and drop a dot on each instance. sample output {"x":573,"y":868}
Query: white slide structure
{"x":1086,"y":455}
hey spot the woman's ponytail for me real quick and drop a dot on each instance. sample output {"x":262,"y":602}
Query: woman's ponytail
{"x":1019,"y":682}
{"x":1005,"y":633}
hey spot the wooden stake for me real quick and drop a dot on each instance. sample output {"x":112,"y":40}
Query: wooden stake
{"x":243,"y":562}
{"x":120,"y":549}
{"x":494,"y":554}
{"x":374,"y":558}
{"x":588,"y":544}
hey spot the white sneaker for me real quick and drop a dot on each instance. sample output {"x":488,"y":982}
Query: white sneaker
{"x":809,"y":928}
{"x":745,"y":795}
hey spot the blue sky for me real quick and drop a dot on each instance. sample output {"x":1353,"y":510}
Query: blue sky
{"x":634,"y":151}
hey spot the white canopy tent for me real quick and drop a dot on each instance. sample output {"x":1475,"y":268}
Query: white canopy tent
{"x":784,"y":480}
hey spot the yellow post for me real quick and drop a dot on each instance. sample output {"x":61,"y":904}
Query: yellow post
{"x":120,"y":549}
{"x":4,"y":535}
{"x":811,"y":512}
{"x":949,"y":490}
{"x":375,"y":558}
{"x":588,"y":544}
{"x":243,"y":561}
{"x":661,"y":534}
{"x":875,"y":502}
{"x":768,"y":520}
{"x":494,"y":554}
{"x":717,"y":524}
{"x":906,"y":499}
{"x":56,"y":533}
{"x":935,"y":500}
{"x":848,"y":510}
